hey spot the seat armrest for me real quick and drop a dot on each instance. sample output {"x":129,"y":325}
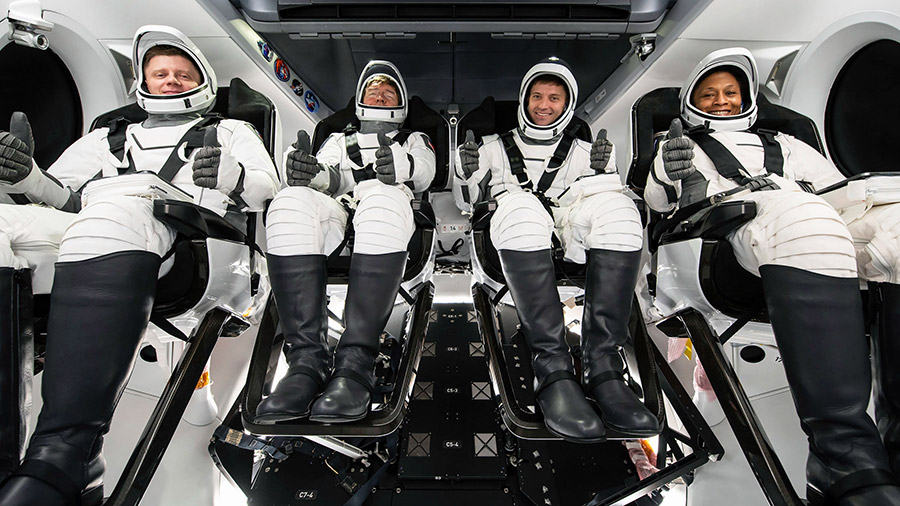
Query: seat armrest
{"x":481,"y":215}
{"x":196,"y":222}
{"x":423,"y":213}
{"x":714,"y":222}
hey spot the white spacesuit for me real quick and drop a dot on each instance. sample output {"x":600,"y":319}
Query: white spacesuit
{"x":544,"y":179}
{"x":804,"y":253}
{"x":110,"y":254}
{"x":382,"y":166}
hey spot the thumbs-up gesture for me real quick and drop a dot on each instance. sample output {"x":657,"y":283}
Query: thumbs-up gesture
{"x":601,"y":151}
{"x":385,"y":170}
{"x":468,"y":155}
{"x":678,"y":153}
{"x":301,"y":165}
{"x":214,"y":167}
{"x":16,"y":149}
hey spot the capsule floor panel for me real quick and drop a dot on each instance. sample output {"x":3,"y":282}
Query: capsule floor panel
{"x":452,"y":448}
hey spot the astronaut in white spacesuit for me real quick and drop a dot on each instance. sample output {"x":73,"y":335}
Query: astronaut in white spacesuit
{"x":110,"y":254}
{"x":545,"y":180}
{"x":382,"y":166}
{"x":805,"y":256}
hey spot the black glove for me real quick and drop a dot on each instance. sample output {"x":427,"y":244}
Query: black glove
{"x":678,"y":153}
{"x":16,"y":149}
{"x":214,"y":167}
{"x":601,"y":150}
{"x":468,"y":155}
{"x":301,"y":166}
{"x":385,"y":170}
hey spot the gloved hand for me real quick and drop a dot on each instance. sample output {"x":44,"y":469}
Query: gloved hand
{"x":16,"y":149}
{"x":214,"y":167}
{"x":677,"y":152}
{"x":601,"y":150}
{"x":301,"y":166}
{"x":385,"y":170}
{"x":468,"y":155}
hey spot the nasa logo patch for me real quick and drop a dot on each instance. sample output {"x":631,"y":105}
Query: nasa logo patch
{"x":282,"y":72}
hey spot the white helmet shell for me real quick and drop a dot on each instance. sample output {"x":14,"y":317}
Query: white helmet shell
{"x":740,"y":62}
{"x":199,"y":99}
{"x":555,"y":67}
{"x":384,"y":69}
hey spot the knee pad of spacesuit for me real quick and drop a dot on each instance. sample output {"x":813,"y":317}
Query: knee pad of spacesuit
{"x":303,"y":221}
{"x":607,"y":221}
{"x":115,"y":224}
{"x":383,"y":222}
{"x":521,"y":223}
{"x":795,"y":229}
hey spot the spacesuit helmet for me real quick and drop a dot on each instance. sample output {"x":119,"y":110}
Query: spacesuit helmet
{"x":199,"y":99}
{"x":559,"y":69}
{"x":384,"y":72}
{"x":738,"y":62}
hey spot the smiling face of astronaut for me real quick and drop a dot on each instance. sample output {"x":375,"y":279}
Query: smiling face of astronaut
{"x":719,"y":94}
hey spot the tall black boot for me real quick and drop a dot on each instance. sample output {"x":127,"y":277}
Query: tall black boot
{"x":608,"y":291}
{"x":98,"y":312}
{"x":298,"y":283}
{"x":885,"y":298}
{"x":16,"y":363}
{"x":532,"y":284}
{"x":373,"y":286}
{"x":818,"y":326}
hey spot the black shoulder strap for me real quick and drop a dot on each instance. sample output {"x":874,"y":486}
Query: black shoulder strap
{"x":193,"y":139}
{"x":729,"y":166}
{"x":559,"y":156}
{"x":516,"y":160}
{"x":726,"y":163}
{"x":774,"y":160}
{"x":402,"y":136}
{"x":352,"y":144}
{"x":116,"y":139}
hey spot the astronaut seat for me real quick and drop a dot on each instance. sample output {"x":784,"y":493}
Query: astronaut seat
{"x":505,"y":346}
{"x":404,"y":333}
{"x":215,"y":287}
{"x":698,"y":289}
{"x":721,"y":288}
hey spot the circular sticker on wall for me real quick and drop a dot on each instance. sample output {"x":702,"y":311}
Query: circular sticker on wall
{"x":312,"y":103}
{"x":264,"y":50}
{"x":282,"y":72}
{"x":297,"y":86}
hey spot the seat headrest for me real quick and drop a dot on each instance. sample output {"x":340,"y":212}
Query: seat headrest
{"x":653,"y":112}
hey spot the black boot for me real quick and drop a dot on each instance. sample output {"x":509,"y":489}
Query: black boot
{"x":374,"y":282}
{"x":98,"y":312}
{"x":532,"y":284}
{"x":16,"y":364}
{"x":608,"y":291}
{"x":885,"y":298}
{"x":818,"y":326}
{"x":298,"y":283}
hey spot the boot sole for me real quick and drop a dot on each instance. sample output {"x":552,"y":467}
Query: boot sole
{"x":631,"y":432}
{"x":571,"y":439}
{"x":337,"y":418}
{"x":273,"y":418}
